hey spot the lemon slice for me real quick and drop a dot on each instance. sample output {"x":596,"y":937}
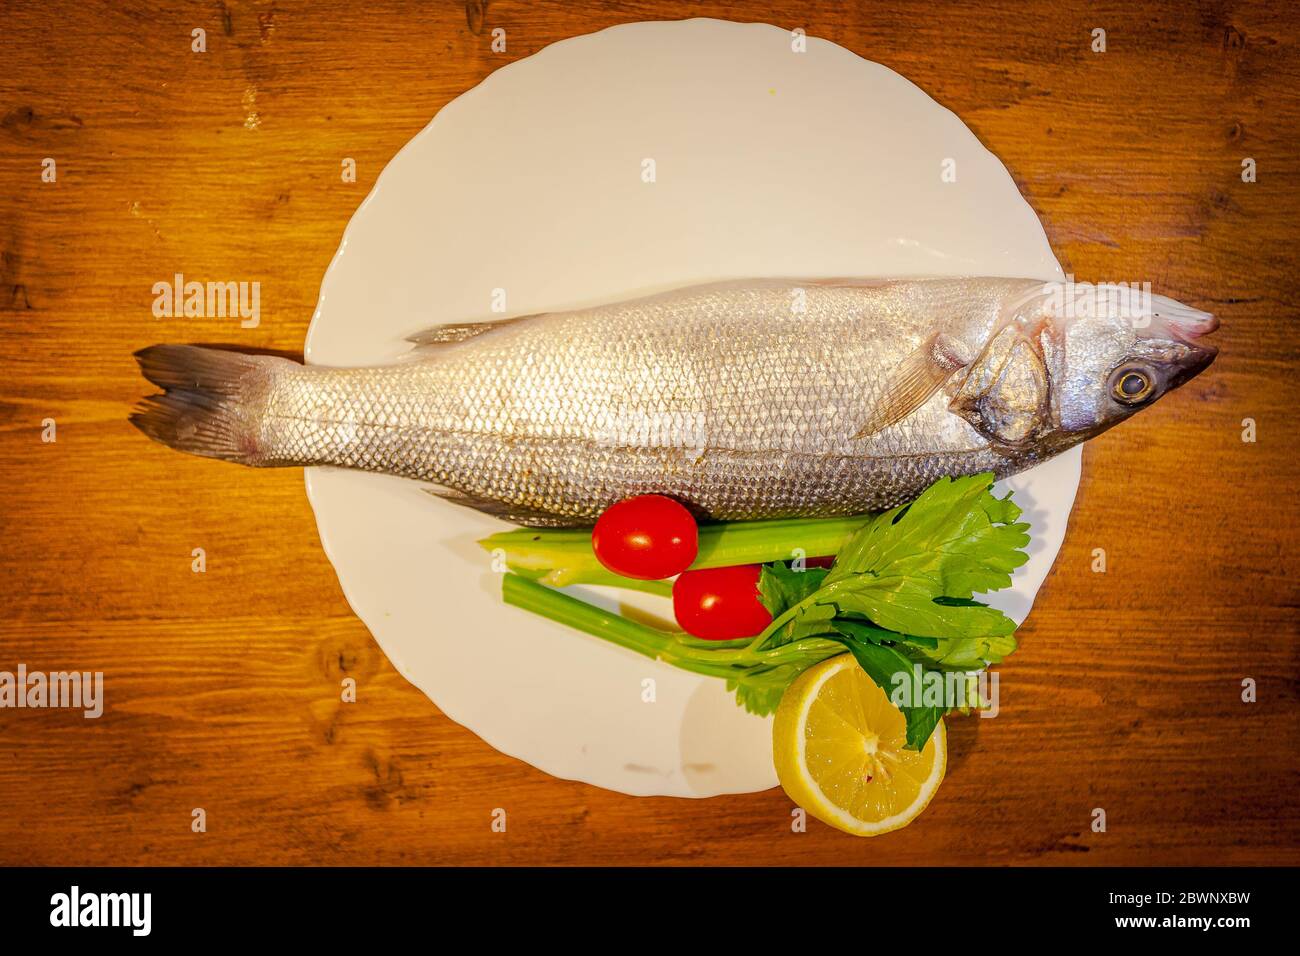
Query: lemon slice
{"x":838,"y":745}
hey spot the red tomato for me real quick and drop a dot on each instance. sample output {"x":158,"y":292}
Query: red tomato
{"x":648,"y":537}
{"x":718,"y":604}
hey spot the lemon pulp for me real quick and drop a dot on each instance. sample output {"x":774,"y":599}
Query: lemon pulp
{"x":839,"y":749}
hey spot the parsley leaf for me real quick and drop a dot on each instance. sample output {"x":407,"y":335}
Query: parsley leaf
{"x":890,"y":668}
{"x":957,"y":538}
{"x":963,"y":654}
{"x":901,"y":591}
{"x":914,"y":569}
{"x":781,"y":587}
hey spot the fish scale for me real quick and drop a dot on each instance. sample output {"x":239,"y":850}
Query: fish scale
{"x":726,"y":398}
{"x":758,"y":399}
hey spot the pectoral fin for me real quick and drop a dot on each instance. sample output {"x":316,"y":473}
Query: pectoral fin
{"x":912,"y":382}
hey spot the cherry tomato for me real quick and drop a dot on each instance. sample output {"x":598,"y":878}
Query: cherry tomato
{"x":647,"y":537}
{"x":718,"y":604}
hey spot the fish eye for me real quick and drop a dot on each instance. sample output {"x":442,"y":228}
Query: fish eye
{"x":1132,"y":385}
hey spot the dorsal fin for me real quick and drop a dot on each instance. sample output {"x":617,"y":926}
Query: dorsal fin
{"x":452,"y":332}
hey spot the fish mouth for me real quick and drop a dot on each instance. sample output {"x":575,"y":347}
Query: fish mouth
{"x":1187,"y":323}
{"x":1200,"y":353}
{"x":1189,"y":326}
{"x":1191,"y":329}
{"x":1203,"y":353}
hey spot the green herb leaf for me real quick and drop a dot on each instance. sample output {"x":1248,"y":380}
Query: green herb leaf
{"x":908,"y":605}
{"x":760,"y":693}
{"x":781,"y":587}
{"x":760,"y":682}
{"x":957,"y":536}
{"x":921,"y":722}
{"x":889,"y":669}
{"x":962,"y":654}
{"x":862,"y":630}
{"x":805,"y":620}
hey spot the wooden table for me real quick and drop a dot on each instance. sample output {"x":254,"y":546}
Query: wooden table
{"x":224,"y":686}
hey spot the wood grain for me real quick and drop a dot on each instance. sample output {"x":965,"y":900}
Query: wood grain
{"x":224,"y":686}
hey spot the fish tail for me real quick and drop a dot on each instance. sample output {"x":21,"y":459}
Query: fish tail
{"x":213,"y":404}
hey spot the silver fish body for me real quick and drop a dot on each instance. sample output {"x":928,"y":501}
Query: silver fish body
{"x":744,"y":400}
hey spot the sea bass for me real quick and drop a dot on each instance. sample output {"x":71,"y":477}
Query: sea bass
{"x":751,"y":399}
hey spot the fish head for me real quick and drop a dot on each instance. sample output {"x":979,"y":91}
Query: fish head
{"x":1075,"y":359}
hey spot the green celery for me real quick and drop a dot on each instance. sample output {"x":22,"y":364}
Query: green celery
{"x":560,"y":558}
{"x":736,"y":660}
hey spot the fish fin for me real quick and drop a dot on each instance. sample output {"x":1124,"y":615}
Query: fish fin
{"x":452,"y":332}
{"x":516,"y":514}
{"x":212,"y":401}
{"x":912,"y":382}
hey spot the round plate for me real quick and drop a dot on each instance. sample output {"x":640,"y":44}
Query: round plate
{"x":766,"y":161}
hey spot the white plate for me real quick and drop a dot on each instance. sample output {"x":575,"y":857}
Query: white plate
{"x":768,"y":162}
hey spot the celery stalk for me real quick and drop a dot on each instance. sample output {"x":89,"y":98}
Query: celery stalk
{"x":737,"y":660}
{"x":607,"y":625}
{"x":560,"y":558}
